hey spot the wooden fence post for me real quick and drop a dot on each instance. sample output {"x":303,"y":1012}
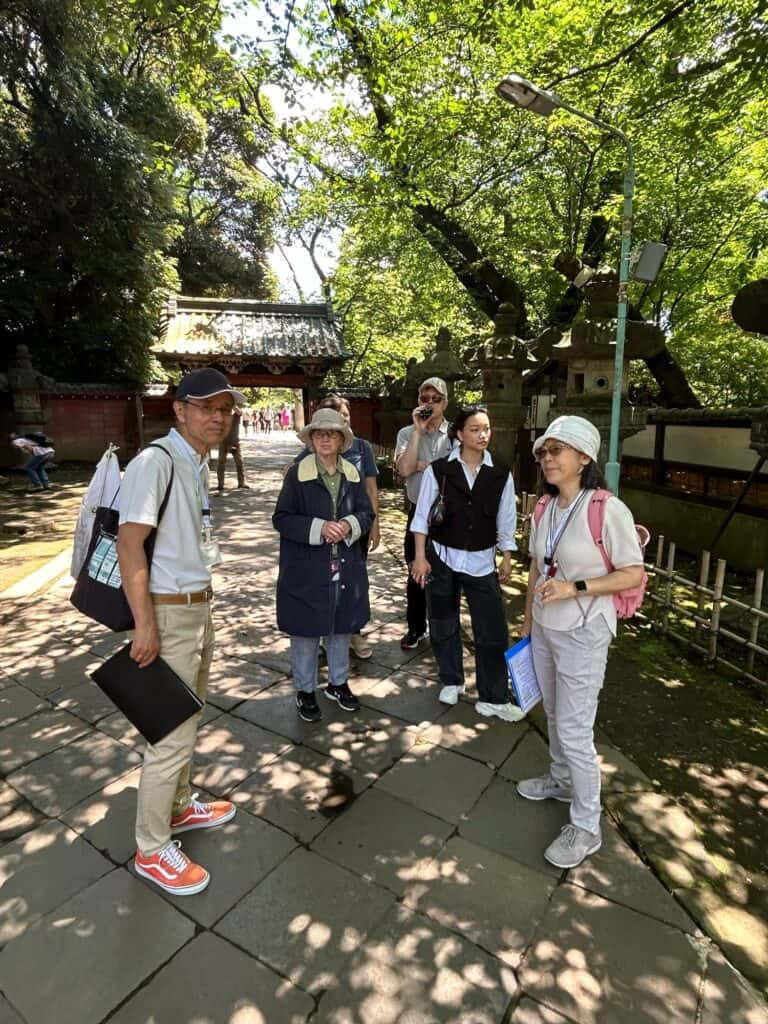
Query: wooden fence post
{"x":754,"y":632}
{"x":668,"y":587}
{"x":717,"y":600}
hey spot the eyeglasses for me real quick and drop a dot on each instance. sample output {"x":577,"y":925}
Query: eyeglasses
{"x":325,"y":435}
{"x":210,"y":410}
{"x":555,"y":450}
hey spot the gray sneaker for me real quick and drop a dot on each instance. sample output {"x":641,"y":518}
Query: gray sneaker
{"x":572,"y":846}
{"x":544,"y":788}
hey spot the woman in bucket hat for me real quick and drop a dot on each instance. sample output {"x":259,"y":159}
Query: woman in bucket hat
{"x":322,"y":587}
{"x":571,"y":619}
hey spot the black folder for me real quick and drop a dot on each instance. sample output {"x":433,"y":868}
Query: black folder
{"x":153,"y":699}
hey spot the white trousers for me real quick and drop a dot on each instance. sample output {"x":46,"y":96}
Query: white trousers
{"x":570,"y":667}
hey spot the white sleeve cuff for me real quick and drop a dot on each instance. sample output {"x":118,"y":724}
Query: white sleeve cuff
{"x":315,"y":532}
{"x":355,"y":531}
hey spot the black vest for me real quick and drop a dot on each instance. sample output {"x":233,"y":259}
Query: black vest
{"x":470,"y":515}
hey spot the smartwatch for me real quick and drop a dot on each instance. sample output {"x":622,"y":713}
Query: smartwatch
{"x":580,"y":585}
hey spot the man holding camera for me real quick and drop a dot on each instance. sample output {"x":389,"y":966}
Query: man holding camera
{"x":416,"y":447}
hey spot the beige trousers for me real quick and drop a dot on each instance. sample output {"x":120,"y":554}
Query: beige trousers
{"x":186,"y":644}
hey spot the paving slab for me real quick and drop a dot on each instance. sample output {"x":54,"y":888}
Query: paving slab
{"x":107,"y":819}
{"x":405,"y":695}
{"x":437,"y":781}
{"x":275,"y":709}
{"x":488,"y":898}
{"x":59,"y":780}
{"x":17,"y":815}
{"x":41,"y":870}
{"x":306,"y":919}
{"x":518,"y":828}
{"x":56,"y":670}
{"x":618,"y":874}
{"x":7,"y":1013}
{"x":599,"y":963}
{"x":300,"y":792}
{"x":119,"y":728}
{"x":384,"y":840}
{"x":619,"y":774}
{"x":229,"y":749}
{"x":529,"y":1012}
{"x":37,"y":735}
{"x":228,"y":987}
{"x":727,"y":999}
{"x":238,"y":855}
{"x":17,"y":702}
{"x":366,"y":740}
{"x":528,"y":760}
{"x":82,"y":960}
{"x":234,"y":680}
{"x":411,"y":969}
{"x":484,"y":739}
{"x":86,"y":701}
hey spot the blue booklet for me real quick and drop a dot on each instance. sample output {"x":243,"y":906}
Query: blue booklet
{"x":522,"y":675}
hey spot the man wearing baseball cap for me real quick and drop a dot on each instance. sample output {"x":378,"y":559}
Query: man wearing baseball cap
{"x":171,"y":604}
{"x":417,"y":445}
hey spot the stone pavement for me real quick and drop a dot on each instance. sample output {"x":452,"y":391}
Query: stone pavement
{"x":380,"y":869}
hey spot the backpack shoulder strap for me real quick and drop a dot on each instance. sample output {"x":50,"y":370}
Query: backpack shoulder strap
{"x":596,"y":521}
{"x":541,"y":505}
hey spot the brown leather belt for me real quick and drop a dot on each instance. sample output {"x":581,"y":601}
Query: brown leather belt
{"x":197,"y":598}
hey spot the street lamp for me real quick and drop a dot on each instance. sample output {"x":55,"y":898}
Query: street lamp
{"x":518,"y":90}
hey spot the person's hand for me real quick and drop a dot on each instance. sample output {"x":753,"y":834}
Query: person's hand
{"x":333,"y":532}
{"x":374,"y":538}
{"x":418,"y":422}
{"x":527,"y":626}
{"x":554,"y":590}
{"x":505,"y":568}
{"x":420,"y":570}
{"x":145,"y":645}
{"x":422,"y":464}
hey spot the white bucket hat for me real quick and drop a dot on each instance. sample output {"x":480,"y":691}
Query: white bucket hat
{"x":574,"y":431}
{"x":328,"y":419}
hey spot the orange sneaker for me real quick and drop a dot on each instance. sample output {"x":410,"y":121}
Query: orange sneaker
{"x":172,"y":870}
{"x":200,"y":815}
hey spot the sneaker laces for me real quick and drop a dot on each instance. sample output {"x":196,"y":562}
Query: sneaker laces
{"x":198,"y":807}
{"x":569,"y":834}
{"x":173,"y":856}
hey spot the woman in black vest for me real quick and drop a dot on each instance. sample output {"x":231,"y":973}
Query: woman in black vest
{"x":470,"y":500}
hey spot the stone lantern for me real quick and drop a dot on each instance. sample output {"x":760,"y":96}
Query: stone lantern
{"x":501,"y":362}
{"x":588,"y":348}
{"x":24,"y":382}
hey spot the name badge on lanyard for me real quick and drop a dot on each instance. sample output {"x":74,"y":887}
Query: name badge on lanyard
{"x":554,"y":535}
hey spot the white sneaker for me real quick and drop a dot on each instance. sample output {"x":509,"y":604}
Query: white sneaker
{"x":572,"y":846}
{"x":506,"y":712}
{"x":450,"y":694}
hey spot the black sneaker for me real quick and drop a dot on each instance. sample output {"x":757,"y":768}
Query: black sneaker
{"x":343,"y":696}
{"x":309,"y":709}
{"x":411,"y":640}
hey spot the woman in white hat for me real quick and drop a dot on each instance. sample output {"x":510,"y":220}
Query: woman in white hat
{"x":571,"y":619}
{"x":322,"y":586}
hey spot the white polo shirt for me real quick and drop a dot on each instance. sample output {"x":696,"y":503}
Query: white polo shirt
{"x":178,"y":566}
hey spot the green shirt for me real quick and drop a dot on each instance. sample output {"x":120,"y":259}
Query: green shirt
{"x":332,"y":482}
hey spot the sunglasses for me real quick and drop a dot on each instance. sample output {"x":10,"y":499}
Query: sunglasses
{"x":555,"y":450}
{"x":430,"y":399}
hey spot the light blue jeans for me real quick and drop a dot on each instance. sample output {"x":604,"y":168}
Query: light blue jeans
{"x":304,"y":660}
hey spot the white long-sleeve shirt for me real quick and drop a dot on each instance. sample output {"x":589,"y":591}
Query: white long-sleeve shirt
{"x":473,"y":563}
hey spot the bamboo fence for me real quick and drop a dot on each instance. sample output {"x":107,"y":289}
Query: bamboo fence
{"x":708,"y":618}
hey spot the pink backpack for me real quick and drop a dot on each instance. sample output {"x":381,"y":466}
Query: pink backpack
{"x":627,"y":601}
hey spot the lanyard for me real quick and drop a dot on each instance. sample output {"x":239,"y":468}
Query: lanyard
{"x":554,"y":534}
{"x":205,"y":506}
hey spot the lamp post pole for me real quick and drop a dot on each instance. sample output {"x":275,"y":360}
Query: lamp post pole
{"x":525,"y":94}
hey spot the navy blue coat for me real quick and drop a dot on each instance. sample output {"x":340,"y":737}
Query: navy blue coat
{"x":308,"y":603}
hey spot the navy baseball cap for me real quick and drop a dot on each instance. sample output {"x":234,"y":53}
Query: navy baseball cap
{"x":206,"y":383}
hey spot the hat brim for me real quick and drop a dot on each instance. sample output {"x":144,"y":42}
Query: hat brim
{"x":305,"y":435}
{"x":238,"y":396}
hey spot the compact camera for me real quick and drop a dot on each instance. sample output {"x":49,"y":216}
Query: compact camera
{"x":425,"y":412}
